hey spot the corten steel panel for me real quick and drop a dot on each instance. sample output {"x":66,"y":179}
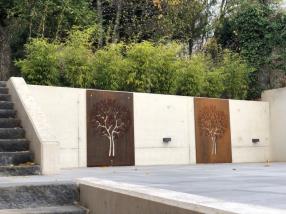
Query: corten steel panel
{"x":212,"y":127}
{"x":110,"y":129}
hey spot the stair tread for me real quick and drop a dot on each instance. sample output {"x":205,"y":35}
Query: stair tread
{"x":47,"y":210}
{"x":20,"y":170}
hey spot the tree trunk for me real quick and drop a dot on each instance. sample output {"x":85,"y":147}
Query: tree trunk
{"x":117,"y":22}
{"x":5,"y":54}
{"x":100,"y":22}
{"x":190,"y":46}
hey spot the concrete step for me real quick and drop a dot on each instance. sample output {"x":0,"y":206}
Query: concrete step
{"x":46,"y":210}
{"x":36,"y":195}
{"x":7,"y":113}
{"x":5,"y":97}
{"x":4,"y":90}
{"x":22,"y":170}
{"x":12,"y":133}
{"x":9,"y":123}
{"x":3,"y":84}
{"x":15,"y":158}
{"x":6,"y":105}
{"x":14,"y":145}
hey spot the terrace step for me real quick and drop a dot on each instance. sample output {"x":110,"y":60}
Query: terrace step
{"x":3,"y":84}
{"x":47,"y":210}
{"x":38,"y":195}
{"x":5,"y":97}
{"x":12,"y":133}
{"x":15,"y":158}
{"x":6,"y":105}
{"x":9,"y":123}
{"x":14,"y":145}
{"x":4,"y":90}
{"x":7,"y":113}
{"x":22,"y":170}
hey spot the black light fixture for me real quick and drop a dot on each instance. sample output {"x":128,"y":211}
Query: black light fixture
{"x":167,"y":139}
{"x":255,"y":140}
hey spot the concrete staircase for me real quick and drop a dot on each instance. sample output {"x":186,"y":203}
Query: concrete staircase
{"x":15,"y":157}
{"x":47,"y":198}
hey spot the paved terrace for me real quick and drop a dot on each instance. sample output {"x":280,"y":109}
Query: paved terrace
{"x":254,"y":184}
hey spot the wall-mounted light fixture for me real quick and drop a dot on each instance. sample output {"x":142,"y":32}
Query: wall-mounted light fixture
{"x":256,"y":140}
{"x":167,"y":139}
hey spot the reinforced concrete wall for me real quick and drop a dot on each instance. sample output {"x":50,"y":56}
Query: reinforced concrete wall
{"x":249,"y":121}
{"x":155,"y":117}
{"x":164,"y":116}
{"x":65,"y":109}
{"x":277,"y":106}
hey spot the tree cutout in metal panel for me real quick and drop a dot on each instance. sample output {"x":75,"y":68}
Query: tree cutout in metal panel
{"x":213,"y":124}
{"x":110,"y":120}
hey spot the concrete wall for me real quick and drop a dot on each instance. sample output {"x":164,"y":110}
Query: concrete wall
{"x":158,"y":116}
{"x":65,"y":109}
{"x":155,"y":117}
{"x":277,"y":102}
{"x":249,"y":120}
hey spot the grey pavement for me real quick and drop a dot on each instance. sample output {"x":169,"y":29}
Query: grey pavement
{"x":255,"y":184}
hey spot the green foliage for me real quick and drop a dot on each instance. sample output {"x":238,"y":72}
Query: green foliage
{"x":152,"y":67}
{"x":142,"y":67}
{"x":235,"y":76}
{"x":201,"y":76}
{"x":254,"y":30}
{"x":40,"y":64}
{"x":192,"y":75}
{"x":111,"y":67}
{"x":75,"y":59}
{"x":52,"y":63}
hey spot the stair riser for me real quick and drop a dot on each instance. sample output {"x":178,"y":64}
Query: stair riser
{"x":16,"y":197}
{"x":3,"y":84}
{"x":5,"y":97}
{"x":9,"y":123}
{"x":4,"y":90}
{"x":7,"y":114}
{"x":12,"y":133}
{"x":6,"y":105}
{"x":15,"y":158}
{"x":20,"y":171}
{"x":14,"y":146}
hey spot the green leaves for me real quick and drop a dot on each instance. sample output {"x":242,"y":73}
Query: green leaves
{"x":141,"y":67}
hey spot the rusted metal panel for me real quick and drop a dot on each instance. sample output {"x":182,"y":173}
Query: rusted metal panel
{"x":212,"y":127}
{"x":110,"y":129}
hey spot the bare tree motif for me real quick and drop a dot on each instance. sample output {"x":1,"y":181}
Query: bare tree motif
{"x":213,"y":124}
{"x":110,"y":120}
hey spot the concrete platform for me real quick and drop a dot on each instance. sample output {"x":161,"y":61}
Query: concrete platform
{"x":254,"y":184}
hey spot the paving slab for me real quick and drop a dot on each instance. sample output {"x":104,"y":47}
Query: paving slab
{"x":255,"y":184}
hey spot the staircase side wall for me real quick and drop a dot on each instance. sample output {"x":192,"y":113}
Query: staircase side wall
{"x":65,"y":109}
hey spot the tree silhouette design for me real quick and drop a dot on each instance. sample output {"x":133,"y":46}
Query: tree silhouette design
{"x":110,"y":120}
{"x":213,"y":124}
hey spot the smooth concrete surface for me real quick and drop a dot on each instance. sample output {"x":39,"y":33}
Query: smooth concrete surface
{"x":249,"y":120}
{"x":255,"y":184}
{"x":103,"y":196}
{"x":277,"y":105}
{"x":163,"y":116}
{"x":43,"y":143}
{"x":65,"y":109}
